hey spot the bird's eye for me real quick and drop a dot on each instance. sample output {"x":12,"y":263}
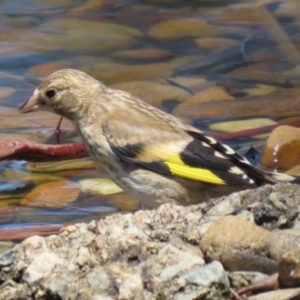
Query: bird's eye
{"x":50,"y":94}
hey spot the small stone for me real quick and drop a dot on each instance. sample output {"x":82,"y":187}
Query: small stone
{"x":240,"y":279}
{"x":282,"y":149}
{"x":179,"y":28}
{"x":40,"y":71}
{"x":215,"y":44}
{"x":203,"y":279}
{"x":228,"y":206}
{"x":81,"y":26}
{"x":238,"y":125}
{"x":113,"y":73}
{"x":283,"y":241}
{"x":86,"y":6}
{"x":6,"y":258}
{"x":153,"y":92}
{"x":276,"y":208}
{"x":53,"y":4}
{"x":99,"y":279}
{"x":193,"y":103}
{"x":239,"y":261}
{"x":143,"y":54}
{"x":132,"y":287}
{"x":19,"y":175}
{"x":192,"y":83}
{"x":257,"y":106}
{"x":53,"y":166}
{"x":99,"y":186}
{"x":258,"y":74}
{"x":6,"y":92}
{"x":99,"y":297}
{"x":214,"y":93}
{"x":52,"y":194}
{"x":123,"y":202}
{"x":85,"y":35}
{"x":41,"y":266}
{"x":260,"y":90}
{"x":229,"y":233}
{"x":289,"y":268}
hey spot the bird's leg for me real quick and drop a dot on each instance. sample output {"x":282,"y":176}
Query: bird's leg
{"x":57,"y":130}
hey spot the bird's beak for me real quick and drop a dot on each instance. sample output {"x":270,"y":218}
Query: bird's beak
{"x":33,"y":104}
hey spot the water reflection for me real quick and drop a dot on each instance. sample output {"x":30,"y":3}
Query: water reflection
{"x":207,"y":63}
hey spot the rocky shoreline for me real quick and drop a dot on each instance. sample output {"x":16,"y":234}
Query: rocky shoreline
{"x":206,"y":251}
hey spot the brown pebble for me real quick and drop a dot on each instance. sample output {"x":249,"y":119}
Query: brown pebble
{"x":239,"y":261}
{"x":283,"y":241}
{"x":289,"y":269}
{"x":283,"y":148}
{"x":232,"y":233}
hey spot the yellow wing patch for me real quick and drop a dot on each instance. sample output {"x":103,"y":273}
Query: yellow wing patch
{"x":161,"y":151}
{"x":179,"y":168}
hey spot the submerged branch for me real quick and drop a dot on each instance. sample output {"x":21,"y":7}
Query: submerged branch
{"x":19,"y":149}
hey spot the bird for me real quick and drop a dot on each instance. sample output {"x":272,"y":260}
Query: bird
{"x":150,"y":154}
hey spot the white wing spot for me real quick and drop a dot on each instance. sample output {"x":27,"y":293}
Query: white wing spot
{"x":228,"y":150}
{"x":251,"y":181}
{"x":244,"y":161}
{"x":211,"y":140}
{"x":245,"y":176}
{"x":205,"y":144}
{"x":218,"y":154}
{"x":235,"y":170}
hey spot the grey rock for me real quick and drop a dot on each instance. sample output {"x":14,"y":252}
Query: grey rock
{"x":283,"y":241}
{"x":147,"y":255}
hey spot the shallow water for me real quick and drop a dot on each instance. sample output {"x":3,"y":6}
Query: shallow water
{"x":223,"y":66}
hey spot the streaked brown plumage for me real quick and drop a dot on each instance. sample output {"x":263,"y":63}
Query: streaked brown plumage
{"x":150,"y":154}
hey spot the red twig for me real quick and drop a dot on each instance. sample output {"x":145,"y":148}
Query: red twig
{"x":270,"y":283}
{"x":15,"y":148}
{"x":17,"y":233}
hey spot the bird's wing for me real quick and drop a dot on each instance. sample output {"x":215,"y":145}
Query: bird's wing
{"x":190,"y":154}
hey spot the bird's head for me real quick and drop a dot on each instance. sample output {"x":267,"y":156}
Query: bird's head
{"x":66,"y":92}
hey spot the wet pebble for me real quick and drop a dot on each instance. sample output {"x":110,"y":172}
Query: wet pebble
{"x":230,"y":233}
{"x":142,"y":54}
{"x":99,"y":186}
{"x":179,"y":28}
{"x":282,"y":149}
{"x":257,"y":106}
{"x":114,"y":73}
{"x":52,"y":194}
{"x":123,"y":202}
{"x":215,"y":44}
{"x":86,"y":35}
{"x":239,"y":125}
{"x":213,"y":93}
{"x":154,"y":92}
{"x":40,"y":71}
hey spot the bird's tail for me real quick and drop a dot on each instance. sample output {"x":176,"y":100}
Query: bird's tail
{"x":273,"y":177}
{"x":260,"y":177}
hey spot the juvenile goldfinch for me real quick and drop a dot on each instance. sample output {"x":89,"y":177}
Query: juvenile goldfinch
{"x":151,"y":155}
